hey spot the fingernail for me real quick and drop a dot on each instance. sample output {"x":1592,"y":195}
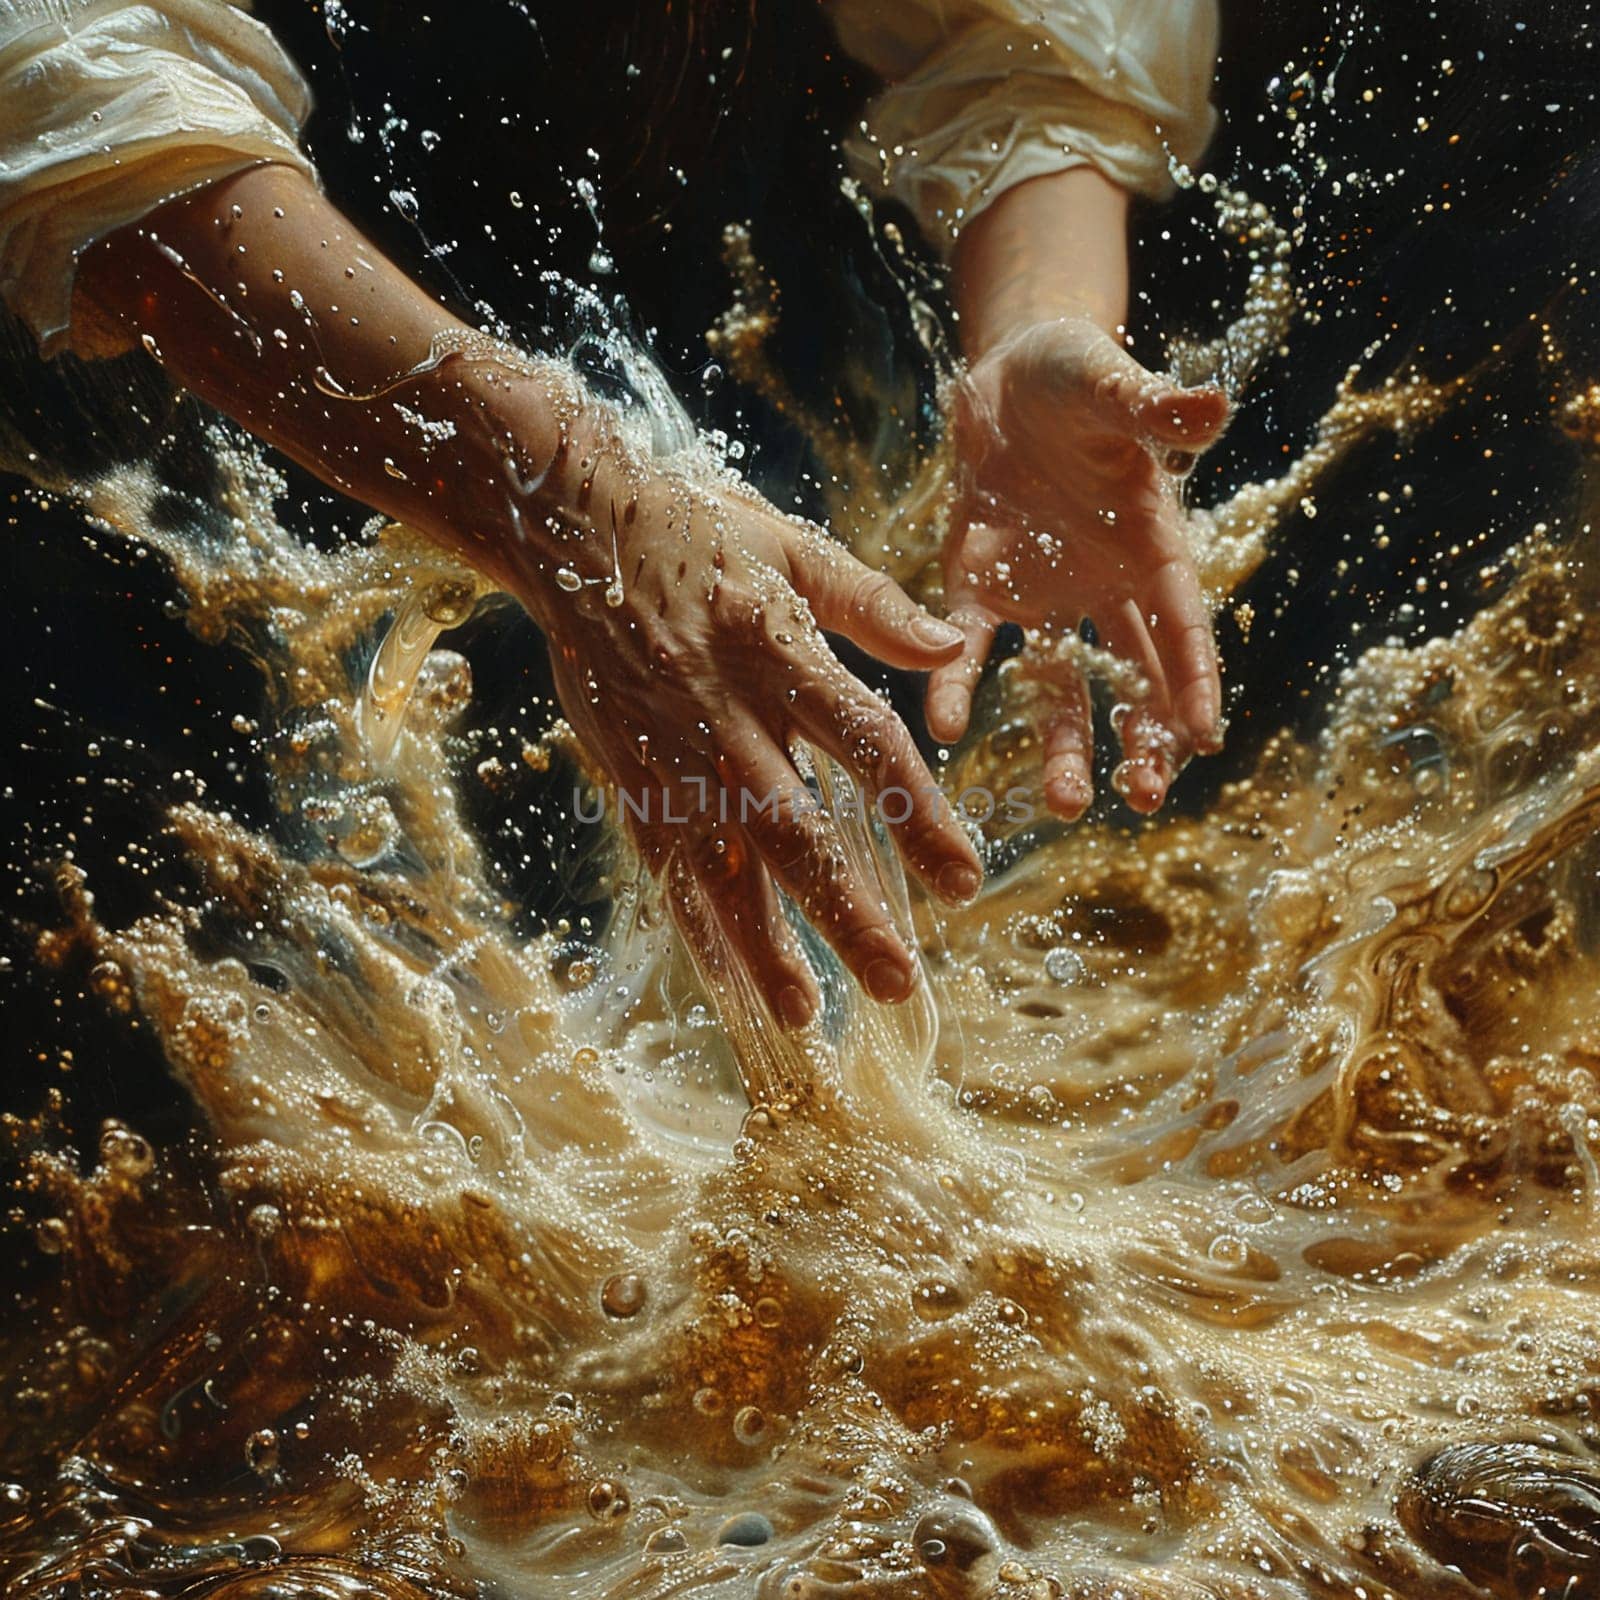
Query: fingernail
{"x":887,"y":982}
{"x":957,"y":882}
{"x":935,"y":634}
{"x":794,"y":1007}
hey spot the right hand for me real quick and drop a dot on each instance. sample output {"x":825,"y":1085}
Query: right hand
{"x":693,"y":677}
{"x":1064,"y":513}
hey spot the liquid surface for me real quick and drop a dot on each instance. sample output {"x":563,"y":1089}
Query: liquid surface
{"x":1219,"y":1222}
{"x":1222,"y":1223}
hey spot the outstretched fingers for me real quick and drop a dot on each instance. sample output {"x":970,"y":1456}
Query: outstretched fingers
{"x":1069,"y":744}
{"x":739,"y":888}
{"x":951,"y":687}
{"x":948,"y":703}
{"x":719,"y":885}
{"x":1153,"y":748}
{"x":1151,"y":759}
{"x":803,"y":853}
{"x":869,"y":608}
{"x":842,"y":718}
{"x":1180,"y":626}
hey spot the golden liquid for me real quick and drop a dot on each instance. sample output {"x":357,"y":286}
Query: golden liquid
{"x":1220,"y":1222}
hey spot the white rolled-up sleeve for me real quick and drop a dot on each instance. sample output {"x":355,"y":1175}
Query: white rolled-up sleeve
{"x":983,"y":94}
{"x":107,"y":109}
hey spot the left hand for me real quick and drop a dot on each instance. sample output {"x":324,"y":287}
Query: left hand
{"x":1065,"y":511}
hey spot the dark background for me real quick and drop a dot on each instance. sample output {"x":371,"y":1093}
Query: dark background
{"x":456,"y":141}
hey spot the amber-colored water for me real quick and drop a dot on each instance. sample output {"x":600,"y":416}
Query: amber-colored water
{"x":1220,"y":1221}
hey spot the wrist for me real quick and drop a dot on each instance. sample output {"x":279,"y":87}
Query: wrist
{"x":545,"y":484}
{"x":1052,"y":248}
{"x":490,"y":431}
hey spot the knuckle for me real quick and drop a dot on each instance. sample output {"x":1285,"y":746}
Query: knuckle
{"x":875,"y":596}
{"x":736,"y":611}
{"x":666,"y":650}
{"x":806,"y":851}
{"x":873,"y":738}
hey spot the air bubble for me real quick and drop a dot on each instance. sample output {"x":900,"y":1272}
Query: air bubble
{"x":607,"y":1500}
{"x":261,"y":1452}
{"x":623,"y":1295}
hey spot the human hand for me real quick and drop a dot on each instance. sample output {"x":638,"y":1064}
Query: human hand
{"x":685,"y":618}
{"x":709,"y":663}
{"x":1064,"y":511}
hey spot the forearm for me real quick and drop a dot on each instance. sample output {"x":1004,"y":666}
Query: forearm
{"x":1052,"y":247}
{"x":260,"y":297}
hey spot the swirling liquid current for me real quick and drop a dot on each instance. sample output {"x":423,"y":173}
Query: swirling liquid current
{"x":1222,"y":1225}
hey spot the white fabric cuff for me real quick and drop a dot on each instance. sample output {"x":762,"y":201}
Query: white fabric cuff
{"x":107,"y":110}
{"x":1020,"y":90}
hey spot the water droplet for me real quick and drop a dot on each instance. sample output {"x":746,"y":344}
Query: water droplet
{"x":109,"y":980}
{"x":259,"y":1550}
{"x":569,"y":580}
{"x":124,"y":1152}
{"x":371,"y":832}
{"x":449,"y":603}
{"x":1227,"y":1251}
{"x":749,"y":1425}
{"x":1254,"y":1208}
{"x":956,"y":1534}
{"x":1468,"y":892}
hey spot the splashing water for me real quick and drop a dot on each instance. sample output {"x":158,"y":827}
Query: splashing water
{"x":1219,"y":1222}
{"x":1222,"y":1225}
